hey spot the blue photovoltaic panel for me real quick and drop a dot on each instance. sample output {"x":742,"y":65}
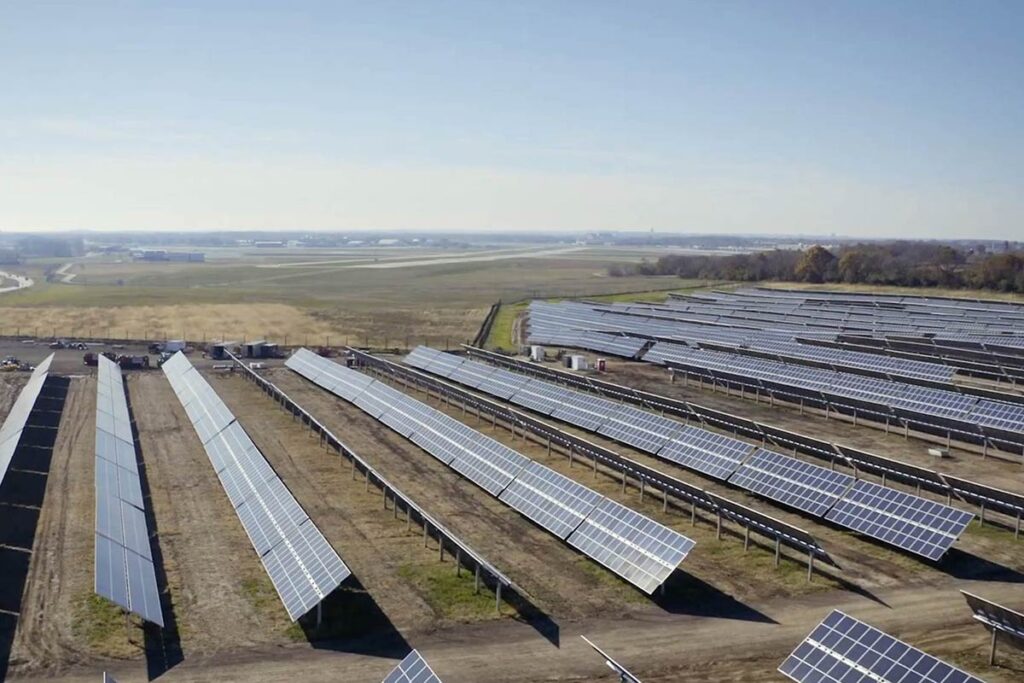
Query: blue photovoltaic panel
{"x":542,"y":397}
{"x":412,"y":669}
{"x":550,"y":499}
{"x":910,"y":522}
{"x":627,"y":542}
{"x":842,"y":649}
{"x":793,"y":482}
{"x":585,"y":411}
{"x":710,"y":453}
{"x":302,"y":565}
{"x":641,"y":429}
{"x":632,"y":545}
{"x":124,"y":571}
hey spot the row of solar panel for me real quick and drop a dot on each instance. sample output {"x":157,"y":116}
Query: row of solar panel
{"x":630,"y":544}
{"x":302,"y":565}
{"x":923,"y":314}
{"x":669,"y":323}
{"x":885,"y":393}
{"x":672,"y":324}
{"x":971,"y":492}
{"x":842,"y":649}
{"x":909,"y":522}
{"x":17,"y":418}
{"x":125,"y":573}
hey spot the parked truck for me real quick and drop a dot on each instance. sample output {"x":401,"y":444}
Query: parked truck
{"x":169,"y":346}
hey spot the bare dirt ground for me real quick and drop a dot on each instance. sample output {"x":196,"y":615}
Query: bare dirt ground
{"x":231,"y":631}
{"x":11,"y":384}
{"x":60,"y":571}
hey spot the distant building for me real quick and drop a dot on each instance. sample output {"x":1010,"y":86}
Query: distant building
{"x":155,"y":255}
{"x":269,"y":244}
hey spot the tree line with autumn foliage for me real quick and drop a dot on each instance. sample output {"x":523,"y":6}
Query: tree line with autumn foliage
{"x":908,"y":264}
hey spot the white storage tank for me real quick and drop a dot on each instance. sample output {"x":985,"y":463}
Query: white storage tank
{"x":579,"y":362}
{"x":537,"y":354}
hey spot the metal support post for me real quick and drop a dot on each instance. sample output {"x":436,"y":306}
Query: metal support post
{"x":718,"y":527}
{"x":497,"y":596}
{"x":778,"y":550}
{"x":992,"y":649}
{"x":746,"y":538}
{"x":810,"y":565}
{"x":476,"y":581}
{"x":458,"y":562}
{"x":641,"y":489}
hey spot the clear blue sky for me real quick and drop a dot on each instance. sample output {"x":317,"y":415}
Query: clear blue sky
{"x":871,"y":118}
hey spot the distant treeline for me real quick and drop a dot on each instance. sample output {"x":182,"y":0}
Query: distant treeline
{"x":908,"y":264}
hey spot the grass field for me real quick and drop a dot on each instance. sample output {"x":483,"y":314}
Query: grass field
{"x":267,"y":296}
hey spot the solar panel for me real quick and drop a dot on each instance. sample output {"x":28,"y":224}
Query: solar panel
{"x":793,"y":482}
{"x":640,"y":428}
{"x":996,"y":617}
{"x":412,"y":669}
{"x":624,"y":675}
{"x":715,"y":455}
{"x":302,"y":565}
{"x":639,"y":549}
{"x":542,"y":397}
{"x":633,"y":546}
{"x":550,"y":499}
{"x":124,"y":571}
{"x":585,"y":411}
{"x":842,"y":649}
{"x":915,"y":524}
{"x":16,"y":420}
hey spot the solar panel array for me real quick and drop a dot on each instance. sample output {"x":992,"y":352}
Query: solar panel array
{"x":412,"y":669}
{"x":996,"y":617}
{"x":628,"y":543}
{"x":125,"y":573}
{"x":17,"y":418}
{"x":900,"y":519}
{"x":302,"y":565}
{"x":886,"y":395}
{"x":844,"y":335}
{"x":842,"y":649}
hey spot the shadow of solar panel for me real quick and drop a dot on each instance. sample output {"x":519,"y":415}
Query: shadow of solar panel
{"x":639,"y":428}
{"x":715,"y":455}
{"x":550,"y":499}
{"x":842,"y":649}
{"x":412,"y":669}
{"x":909,"y":522}
{"x":633,"y":546}
{"x":796,"y":483}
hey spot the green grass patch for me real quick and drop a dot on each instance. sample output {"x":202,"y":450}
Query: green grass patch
{"x":500,"y":336}
{"x":452,"y":597}
{"x":100,"y":624}
{"x":626,"y":592}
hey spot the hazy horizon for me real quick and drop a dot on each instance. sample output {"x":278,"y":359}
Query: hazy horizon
{"x":856,"y":119}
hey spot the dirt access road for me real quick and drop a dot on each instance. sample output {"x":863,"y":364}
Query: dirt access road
{"x":705,"y":649}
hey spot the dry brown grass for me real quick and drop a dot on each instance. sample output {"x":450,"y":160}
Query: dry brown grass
{"x":277,"y":322}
